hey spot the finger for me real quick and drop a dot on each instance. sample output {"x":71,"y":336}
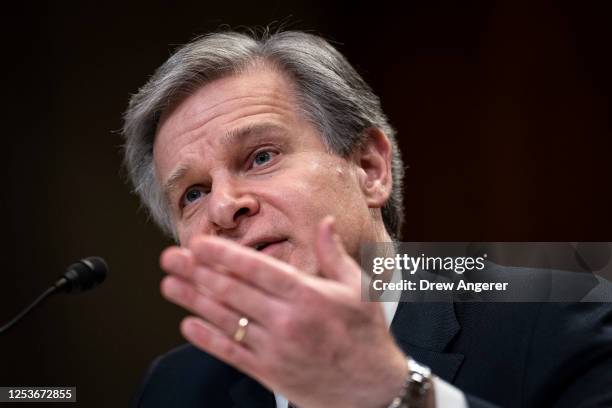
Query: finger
{"x":208,"y":338}
{"x":264,"y":272}
{"x":238,"y":295}
{"x":177,"y":260}
{"x":225,"y":288}
{"x":334,"y":262}
{"x":226,"y":320}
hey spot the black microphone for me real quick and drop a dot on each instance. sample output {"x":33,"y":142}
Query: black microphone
{"x":80,"y":276}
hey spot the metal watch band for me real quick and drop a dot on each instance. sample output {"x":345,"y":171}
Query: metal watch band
{"x":417,"y":385}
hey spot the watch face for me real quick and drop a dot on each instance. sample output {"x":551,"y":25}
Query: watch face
{"x":416,"y":388}
{"x":418,"y":385}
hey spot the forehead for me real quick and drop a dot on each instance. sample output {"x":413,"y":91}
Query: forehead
{"x":259,"y":87}
{"x":257,"y":96}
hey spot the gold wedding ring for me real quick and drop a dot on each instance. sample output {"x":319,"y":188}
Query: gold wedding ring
{"x":240,"y":333}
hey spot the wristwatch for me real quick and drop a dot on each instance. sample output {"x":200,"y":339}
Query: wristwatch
{"x":418,"y":384}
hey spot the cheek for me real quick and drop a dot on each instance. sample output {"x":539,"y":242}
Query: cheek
{"x":319,"y":191}
{"x":186,"y":232}
{"x":344,"y":193}
{"x":184,"y":236}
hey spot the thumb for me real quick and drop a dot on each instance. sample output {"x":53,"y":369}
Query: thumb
{"x":334,"y":262}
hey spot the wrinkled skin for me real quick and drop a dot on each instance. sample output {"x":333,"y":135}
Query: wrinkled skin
{"x":270,"y":223}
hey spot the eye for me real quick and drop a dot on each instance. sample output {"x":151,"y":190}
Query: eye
{"x":262,"y":157}
{"x":191,"y":195}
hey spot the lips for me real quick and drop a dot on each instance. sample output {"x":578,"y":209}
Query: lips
{"x":268,"y":246}
{"x":262,"y":245}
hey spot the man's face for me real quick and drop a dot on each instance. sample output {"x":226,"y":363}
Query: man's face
{"x":237,"y":160}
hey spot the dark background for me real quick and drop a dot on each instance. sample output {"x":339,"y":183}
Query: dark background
{"x":502,"y":108}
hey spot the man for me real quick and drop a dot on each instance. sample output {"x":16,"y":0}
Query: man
{"x":271,"y":162}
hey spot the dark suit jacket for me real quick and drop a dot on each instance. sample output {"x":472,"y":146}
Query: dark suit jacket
{"x":498,"y":354}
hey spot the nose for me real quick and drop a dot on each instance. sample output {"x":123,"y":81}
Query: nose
{"x":228,"y":204}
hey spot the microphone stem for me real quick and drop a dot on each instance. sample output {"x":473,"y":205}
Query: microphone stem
{"x":27,"y":310}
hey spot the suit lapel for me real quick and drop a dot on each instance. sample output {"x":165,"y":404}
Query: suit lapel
{"x":248,"y":393}
{"x":424,"y":330}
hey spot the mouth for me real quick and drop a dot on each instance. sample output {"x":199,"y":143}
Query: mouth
{"x":267,"y":246}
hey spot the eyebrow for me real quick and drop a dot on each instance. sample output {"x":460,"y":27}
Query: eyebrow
{"x":255,"y":131}
{"x":174,"y":179}
{"x":251,"y":131}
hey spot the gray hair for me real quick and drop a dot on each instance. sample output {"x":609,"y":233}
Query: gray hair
{"x":331,"y":94}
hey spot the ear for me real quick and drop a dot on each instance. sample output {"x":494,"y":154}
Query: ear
{"x":373,"y":162}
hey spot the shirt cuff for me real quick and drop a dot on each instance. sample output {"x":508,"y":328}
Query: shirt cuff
{"x":447,"y":395}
